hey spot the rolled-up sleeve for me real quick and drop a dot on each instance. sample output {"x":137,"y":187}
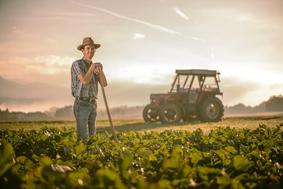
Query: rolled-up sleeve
{"x":76,"y":68}
{"x":76,"y":86}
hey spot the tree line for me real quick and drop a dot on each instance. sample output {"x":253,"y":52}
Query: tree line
{"x":273,"y":104}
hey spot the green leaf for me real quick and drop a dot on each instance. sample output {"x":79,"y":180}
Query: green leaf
{"x":231,"y":149}
{"x":164,"y":184}
{"x":79,"y":177}
{"x":195,"y":156}
{"x":171,"y":163}
{"x":80,"y":148}
{"x":207,"y":173}
{"x":236,"y":184}
{"x":241,"y":163}
{"x":22,"y":165}
{"x":109,"y":179}
{"x":7,"y":155}
{"x":223,"y":181}
{"x":221,"y":154}
{"x":45,"y":161}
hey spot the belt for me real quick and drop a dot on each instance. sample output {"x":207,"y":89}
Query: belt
{"x":87,"y":99}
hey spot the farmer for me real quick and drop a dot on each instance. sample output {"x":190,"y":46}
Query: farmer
{"x":85,"y":76}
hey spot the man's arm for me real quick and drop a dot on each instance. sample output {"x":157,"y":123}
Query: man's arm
{"x":85,"y":78}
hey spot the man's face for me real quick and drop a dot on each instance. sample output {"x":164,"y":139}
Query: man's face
{"x":88,"y":51}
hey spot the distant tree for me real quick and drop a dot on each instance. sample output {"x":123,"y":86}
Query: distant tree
{"x":238,"y":108}
{"x":34,"y":116}
{"x":275,"y":103}
{"x":64,"y":113}
{"x":260,"y":107}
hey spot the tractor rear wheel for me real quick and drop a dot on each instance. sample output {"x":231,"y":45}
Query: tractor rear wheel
{"x":150,"y":113}
{"x":211,"y":110}
{"x":170,"y":113}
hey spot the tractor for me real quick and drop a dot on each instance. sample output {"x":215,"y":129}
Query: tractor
{"x":193,"y":96}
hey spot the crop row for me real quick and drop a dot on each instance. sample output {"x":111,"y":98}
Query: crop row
{"x":223,"y":158}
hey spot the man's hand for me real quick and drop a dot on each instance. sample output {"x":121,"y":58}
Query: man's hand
{"x":97,"y":68}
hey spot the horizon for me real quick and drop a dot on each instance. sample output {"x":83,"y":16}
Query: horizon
{"x":102,"y":108}
{"x":140,"y":48}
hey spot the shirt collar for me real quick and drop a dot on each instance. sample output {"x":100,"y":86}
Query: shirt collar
{"x":86,"y":61}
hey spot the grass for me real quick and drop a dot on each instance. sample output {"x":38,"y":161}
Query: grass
{"x":139,"y":125}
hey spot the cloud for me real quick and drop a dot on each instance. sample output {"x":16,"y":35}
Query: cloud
{"x":154,"y":26}
{"x":75,"y":14}
{"x":138,"y":36}
{"x":180,"y":13}
{"x":196,"y":39}
{"x":50,"y":64}
{"x":148,"y":24}
{"x":157,"y":73}
{"x":53,"y":60}
{"x":51,"y":69}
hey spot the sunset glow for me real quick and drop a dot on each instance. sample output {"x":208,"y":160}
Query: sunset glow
{"x":143,"y":42}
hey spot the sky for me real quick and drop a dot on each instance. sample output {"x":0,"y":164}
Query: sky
{"x":142,"y":43}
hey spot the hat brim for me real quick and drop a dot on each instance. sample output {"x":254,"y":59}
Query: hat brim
{"x":80,"y":47}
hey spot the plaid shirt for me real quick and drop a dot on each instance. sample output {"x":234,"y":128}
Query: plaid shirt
{"x":79,"y":89}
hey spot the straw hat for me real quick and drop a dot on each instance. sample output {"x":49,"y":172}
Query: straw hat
{"x":88,"y":41}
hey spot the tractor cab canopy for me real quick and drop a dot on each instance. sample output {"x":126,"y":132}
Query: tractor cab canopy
{"x":196,"y":80}
{"x":197,"y":72}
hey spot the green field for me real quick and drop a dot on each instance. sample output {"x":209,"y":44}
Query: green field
{"x":139,"y":125}
{"x":236,"y":153}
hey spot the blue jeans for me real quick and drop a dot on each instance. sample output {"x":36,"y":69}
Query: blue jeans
{"x":85,"y":114}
